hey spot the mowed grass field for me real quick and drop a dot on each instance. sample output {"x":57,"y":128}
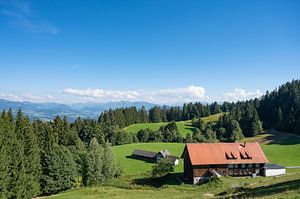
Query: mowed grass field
{"x":184,"y":127}
{"x":136,"y":167}
{"x":279,"y":148}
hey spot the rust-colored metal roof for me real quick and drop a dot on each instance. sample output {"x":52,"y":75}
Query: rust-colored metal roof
{"x":215,"y":153}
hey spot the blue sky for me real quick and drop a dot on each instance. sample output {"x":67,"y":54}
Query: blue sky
{"x":157,"y":51}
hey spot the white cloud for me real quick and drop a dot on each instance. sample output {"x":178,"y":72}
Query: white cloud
{"x":20,"y":14}
{"x":239,"y":94}
{"x":158,"y":96}
{"x":161,"y":96}
{"x":28,"y":97}
{"x":9,"y":96}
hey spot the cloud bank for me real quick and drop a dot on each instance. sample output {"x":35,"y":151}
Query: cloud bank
{"x":160,"y":96}
{"x":27,"y":97}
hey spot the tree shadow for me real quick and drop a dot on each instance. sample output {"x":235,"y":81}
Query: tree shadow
{"x":146,"y":160}
{"x":281,"y":138}
{"x":169,"y":179}
{"x":243,"y":192}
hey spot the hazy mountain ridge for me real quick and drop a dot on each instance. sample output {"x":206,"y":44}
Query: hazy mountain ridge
{"x":47,"y":111}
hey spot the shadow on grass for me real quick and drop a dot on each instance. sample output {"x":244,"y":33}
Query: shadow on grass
{"x":281,"y":138}
{"x":243,"y":192}
{"x":147,"y":160}
{"x":190,"y":127}
{"x":170,"y":179}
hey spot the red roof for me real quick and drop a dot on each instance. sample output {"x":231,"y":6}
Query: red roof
{"x":225,"y":153}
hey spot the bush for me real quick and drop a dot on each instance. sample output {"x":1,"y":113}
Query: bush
{"x":162,"y":168}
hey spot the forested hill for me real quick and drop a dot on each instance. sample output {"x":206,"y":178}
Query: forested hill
{"x":279,"y":109}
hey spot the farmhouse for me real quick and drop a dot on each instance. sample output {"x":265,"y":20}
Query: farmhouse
{"x":155,"y":156}
{"x":203,"y":160}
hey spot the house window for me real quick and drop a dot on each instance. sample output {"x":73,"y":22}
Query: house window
{"x":230,"y":166}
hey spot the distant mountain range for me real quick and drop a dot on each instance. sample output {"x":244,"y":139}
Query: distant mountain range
{"x":48,"y":111}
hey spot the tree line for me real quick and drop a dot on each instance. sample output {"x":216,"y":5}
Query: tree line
{"x":42,"y":158}
{"x":122,"y":117}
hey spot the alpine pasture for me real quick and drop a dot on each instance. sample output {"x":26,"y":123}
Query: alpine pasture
{"x":279,"y":148}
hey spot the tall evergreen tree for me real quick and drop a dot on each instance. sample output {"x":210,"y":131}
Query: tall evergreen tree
{"x":108,"y":167}
{"x":96,"y":157}
{"x":13,"y":175}
{"x":31,"y":160}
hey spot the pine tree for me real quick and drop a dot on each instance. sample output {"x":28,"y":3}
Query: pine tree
{"x":108,"y":168}
{"x":13,"y":175}
{"x":188,"y":138}
{"x":235,"y":131}
{"x":5,"y":140}
{"x":96,"y":157}
{"x":58,"y":170}
{"x":279,"y":118}
{"x":86,"y":169}
{"x":256,"y":125}
{"x":31,"y":160}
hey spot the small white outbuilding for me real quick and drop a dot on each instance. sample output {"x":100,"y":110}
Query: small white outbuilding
{"x":274,"y":170}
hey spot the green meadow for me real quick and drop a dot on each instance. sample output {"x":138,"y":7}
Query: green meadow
{"x":279,"y":148}
{"x":134,"y":166}
{"x":184,"y":127}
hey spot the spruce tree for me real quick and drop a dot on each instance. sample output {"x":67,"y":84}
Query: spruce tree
{"x":13,"y":160}
{"x":96,"y":157}
{"x":31,"y":160}
{"x":188,"y":138}
{"x":108,"y":168}
{"x":235,"y":131}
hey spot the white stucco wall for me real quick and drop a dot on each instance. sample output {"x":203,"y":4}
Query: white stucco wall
{"x":176,"y":162}
{"x":274,"y":172}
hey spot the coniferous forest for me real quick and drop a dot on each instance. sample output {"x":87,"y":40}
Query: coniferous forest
{"x":45,"y":157}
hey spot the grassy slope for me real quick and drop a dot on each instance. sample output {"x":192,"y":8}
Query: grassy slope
{"x":279,"y":148}
{"x":133,"y":166}
{"x":184,"y":127}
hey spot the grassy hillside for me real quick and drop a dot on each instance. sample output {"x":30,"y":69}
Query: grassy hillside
{"x":184,"y":127}
{"x":133,"y":166}
{"x":279,"y":148}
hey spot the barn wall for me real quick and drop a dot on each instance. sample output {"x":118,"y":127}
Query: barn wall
{"x":274,"y":172}
{"x":188,"y":172}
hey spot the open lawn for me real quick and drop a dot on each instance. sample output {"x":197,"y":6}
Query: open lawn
{"x":133,"y":166}
{"x":279,"y":148}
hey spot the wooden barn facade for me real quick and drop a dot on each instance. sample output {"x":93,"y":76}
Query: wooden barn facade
{"x":204,"y":160}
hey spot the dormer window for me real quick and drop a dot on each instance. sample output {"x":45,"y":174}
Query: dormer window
{"x":245,"y":155}
{"x":230,"y":156}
